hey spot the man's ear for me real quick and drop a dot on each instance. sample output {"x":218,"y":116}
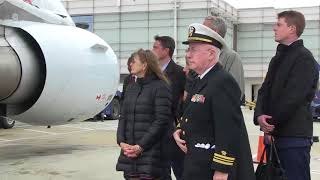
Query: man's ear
{"x":293,"y":29}
{"x":213,"y":54}
{"x":145,"y":65}
{"x":167,"y":50}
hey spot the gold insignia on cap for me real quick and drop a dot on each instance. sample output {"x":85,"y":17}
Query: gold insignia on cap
{"x":191,"y":30}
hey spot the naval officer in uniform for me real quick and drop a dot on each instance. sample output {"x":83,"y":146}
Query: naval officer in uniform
{"x":211,"y":131}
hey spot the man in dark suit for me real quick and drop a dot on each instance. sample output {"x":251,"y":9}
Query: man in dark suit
{"x":164,"y":47}
{"x":283,"y":105}
{"x":214,"y":135}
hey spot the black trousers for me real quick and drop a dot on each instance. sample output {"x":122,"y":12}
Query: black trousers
{"x":175,"y":161}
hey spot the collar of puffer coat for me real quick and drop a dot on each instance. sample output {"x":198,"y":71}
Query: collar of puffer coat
{"x":147,"y":79}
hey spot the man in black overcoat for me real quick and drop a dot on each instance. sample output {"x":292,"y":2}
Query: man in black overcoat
{"x":213,"y":133}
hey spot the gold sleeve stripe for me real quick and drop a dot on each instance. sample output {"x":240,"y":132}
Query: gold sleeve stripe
{"x":220,"y":159}
{"x":221,"y":162}
{"x":200,"y":39}
{"x":224,"y":157}
{"x":178,"y":125}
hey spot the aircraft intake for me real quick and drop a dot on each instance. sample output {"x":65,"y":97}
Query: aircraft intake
{"x":66,"y":74}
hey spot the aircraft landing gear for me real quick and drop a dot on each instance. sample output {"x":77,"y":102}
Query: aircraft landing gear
{"x":5,"y":122}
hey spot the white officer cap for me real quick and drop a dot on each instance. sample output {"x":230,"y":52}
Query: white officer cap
{"x":201,"y":33}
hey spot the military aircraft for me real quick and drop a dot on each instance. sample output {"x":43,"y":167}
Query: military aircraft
{"x":51,"y":72}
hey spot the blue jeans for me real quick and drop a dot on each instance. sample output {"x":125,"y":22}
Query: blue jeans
{"x":294,"y":155}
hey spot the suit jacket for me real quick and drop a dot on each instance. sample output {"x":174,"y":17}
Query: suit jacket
{"x":231,"y":62}
{"x":214,"y":129}
{"x":177,"y":79}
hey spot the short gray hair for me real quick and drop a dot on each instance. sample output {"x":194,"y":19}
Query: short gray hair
{"x":217,"y":24}
{"x":218,"y":52}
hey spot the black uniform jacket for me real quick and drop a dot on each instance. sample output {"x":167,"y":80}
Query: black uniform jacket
{"x":288,"y":90}
{"x":144,"y":121}
{"x":214,"y":129}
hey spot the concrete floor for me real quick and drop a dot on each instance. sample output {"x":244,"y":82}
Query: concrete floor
{"x":82,"y":151}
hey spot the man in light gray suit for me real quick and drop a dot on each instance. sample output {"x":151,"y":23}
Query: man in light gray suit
{"x":229,"y":59}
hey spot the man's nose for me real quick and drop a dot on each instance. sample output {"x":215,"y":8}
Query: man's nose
{"x":274,"y":27}
{"x":188,"y":54}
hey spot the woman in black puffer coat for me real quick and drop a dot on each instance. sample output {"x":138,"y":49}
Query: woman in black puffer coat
{"x":144,"y":120}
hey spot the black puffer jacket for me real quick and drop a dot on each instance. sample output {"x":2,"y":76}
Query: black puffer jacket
{"x":144,"y":121}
